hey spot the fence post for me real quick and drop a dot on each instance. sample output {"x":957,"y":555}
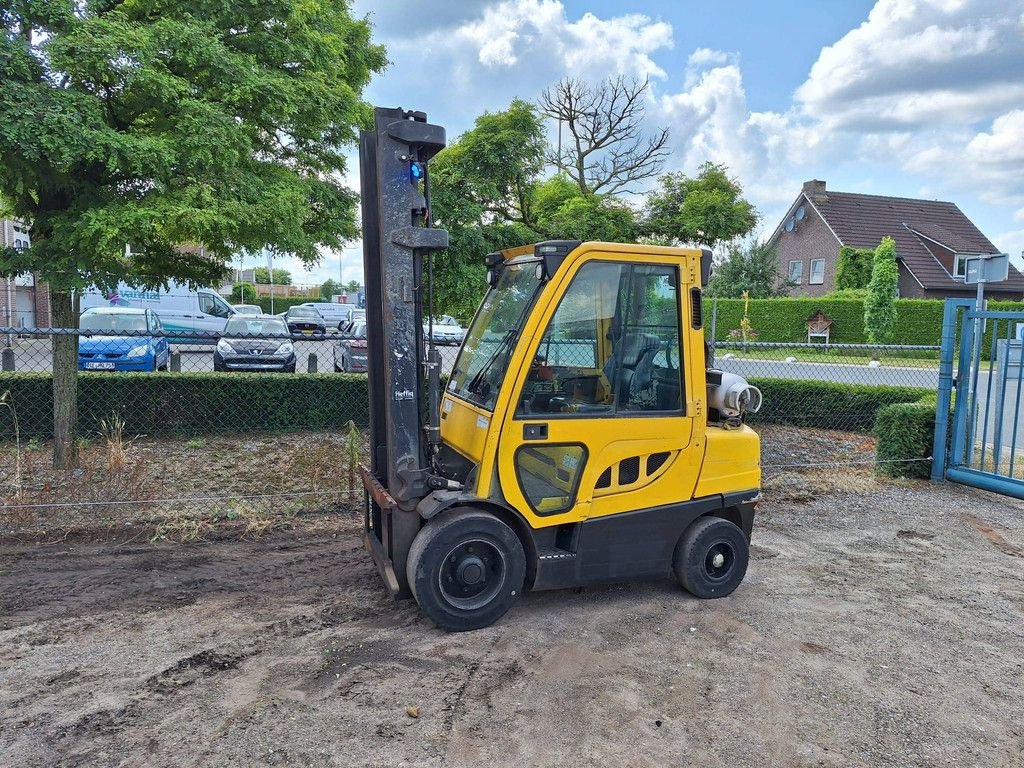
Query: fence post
{"x":7,"y":359}
{"x":945,"y":390}
{"x":175,"y":364}
{"x":311,"y":365}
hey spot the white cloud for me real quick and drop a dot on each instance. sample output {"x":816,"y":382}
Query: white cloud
{"x":537,"y":31}
{"x":915,"y":62}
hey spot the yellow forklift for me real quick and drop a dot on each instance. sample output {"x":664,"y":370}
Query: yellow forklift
{"x":581,"y":436}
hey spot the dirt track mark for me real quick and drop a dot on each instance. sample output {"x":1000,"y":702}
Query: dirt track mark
{"x":994,"y":537}
{"x":197,"y":666}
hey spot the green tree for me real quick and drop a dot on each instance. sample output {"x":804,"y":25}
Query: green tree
{"x":353,"y":286}
{"x":328,"y":288}
{"x":243,"y":293}
{"x":562,"y":211}
{"x":491,"y":170}
{"x":129,"y":129}
{"x":281,"y":276}
{"x":853,"y":268}
{"x":703,"y":210}
{"x":748,"y":271}
{"x":880,"y":305}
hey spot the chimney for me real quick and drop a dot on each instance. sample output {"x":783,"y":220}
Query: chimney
{"x":815,"y":191}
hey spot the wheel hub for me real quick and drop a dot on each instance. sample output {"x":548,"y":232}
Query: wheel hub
{"x":719,"y":561}
{"x":470,"y":570}
{"x":472,"y":574}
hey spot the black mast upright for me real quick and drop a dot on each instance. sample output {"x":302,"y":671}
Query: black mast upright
{"x":396,"y":237}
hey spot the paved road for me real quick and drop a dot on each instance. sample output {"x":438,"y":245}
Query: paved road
{"x":842,"y":373}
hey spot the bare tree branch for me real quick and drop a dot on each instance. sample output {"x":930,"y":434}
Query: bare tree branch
{"x":605,"y":149}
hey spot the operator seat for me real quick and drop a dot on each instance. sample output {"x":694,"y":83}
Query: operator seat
{"x":636,"y":351}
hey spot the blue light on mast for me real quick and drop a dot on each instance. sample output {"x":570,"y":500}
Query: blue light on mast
{"x":416,"y":171}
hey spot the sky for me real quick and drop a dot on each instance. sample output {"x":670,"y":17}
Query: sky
{"x":914,"y":98}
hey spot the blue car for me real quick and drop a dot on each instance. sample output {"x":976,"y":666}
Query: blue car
{"x":100,"y":349}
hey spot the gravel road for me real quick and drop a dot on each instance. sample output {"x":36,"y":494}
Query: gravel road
{"x":880,"y":624}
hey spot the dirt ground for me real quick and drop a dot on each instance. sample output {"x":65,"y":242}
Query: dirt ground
{"x":880,"y":624}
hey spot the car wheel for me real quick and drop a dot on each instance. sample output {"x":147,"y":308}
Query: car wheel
{"x":711,"y":558}
{"x":466,"y":568}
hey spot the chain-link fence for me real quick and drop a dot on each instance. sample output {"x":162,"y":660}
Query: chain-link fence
{"x":183,"y":432}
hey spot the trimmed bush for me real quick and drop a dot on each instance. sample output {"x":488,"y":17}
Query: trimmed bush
{"x":826,"y":404}
{"x":918,"y":321}
{"x":192,"y":403}
{"x":281,"y":303}
{"x":905,"y":431}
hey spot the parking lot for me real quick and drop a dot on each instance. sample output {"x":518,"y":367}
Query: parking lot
{"x":36,"y":355}
{"x":880,"y":624}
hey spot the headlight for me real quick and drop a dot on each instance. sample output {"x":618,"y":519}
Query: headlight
{"x":224,"y":348}
{"x":285,"y":349}
{"x":139,"y":351}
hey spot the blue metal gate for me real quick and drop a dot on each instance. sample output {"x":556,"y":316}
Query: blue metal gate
{"x":984,"y":446}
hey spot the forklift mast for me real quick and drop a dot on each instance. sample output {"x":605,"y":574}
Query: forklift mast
{"x":397,"y":237}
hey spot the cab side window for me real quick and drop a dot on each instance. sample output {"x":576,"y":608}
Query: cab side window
{"x":612,"y":346}
{"x":209,"y":305}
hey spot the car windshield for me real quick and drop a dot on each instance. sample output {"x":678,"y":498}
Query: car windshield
{"x":247,"y":310}
{"x":101,"y":321}
{"x":252,"y":326}
{"x":490,"y":339}
{"x":303,"y":312}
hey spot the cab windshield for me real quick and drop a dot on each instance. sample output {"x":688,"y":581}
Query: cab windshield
{"x":492,"y":336}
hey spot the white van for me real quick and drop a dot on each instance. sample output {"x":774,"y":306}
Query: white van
{"x":179,"y":309}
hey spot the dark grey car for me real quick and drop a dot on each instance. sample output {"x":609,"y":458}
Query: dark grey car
{"x":350,"y":351}
{"x":239,"y":351}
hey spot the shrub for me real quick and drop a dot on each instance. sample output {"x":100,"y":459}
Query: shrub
{"x":905,"y":431}
{"x":193,"y":403}
{"x":281,"y":303}
{"x":879,"y":306}
{"x":853,"y":268}
{"x":826,"y":404}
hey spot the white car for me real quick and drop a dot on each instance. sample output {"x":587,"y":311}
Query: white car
{"x":446,"y":330}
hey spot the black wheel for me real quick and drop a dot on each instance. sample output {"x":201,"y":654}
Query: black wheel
{"x":711,"y":558}
{"x":466,"y":568}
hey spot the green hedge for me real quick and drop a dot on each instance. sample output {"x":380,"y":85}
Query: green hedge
{"x":826,"y":404}
{"x":905,"y":431}
{"x":191,"y":403}
{"x":281,"y":304}
{"x":918,"y":321}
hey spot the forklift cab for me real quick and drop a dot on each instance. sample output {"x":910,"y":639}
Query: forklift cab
{"x":581,"y":437}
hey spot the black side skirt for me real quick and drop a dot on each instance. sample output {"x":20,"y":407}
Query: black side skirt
{"x":634,"y":545}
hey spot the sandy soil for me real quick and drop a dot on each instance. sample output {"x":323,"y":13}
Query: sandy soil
{"x":879,"y":625}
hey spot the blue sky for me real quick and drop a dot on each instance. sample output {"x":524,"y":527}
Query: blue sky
{"x":920,"y":98}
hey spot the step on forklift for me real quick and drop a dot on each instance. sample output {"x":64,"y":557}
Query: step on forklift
{"x":581,"y":436}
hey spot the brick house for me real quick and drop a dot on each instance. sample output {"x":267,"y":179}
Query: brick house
{"x":933,"y":239}
{"x":24,"y":300}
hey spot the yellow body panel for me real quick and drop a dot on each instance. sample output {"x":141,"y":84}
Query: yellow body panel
{"x":621,"y":445}
{"x":732,"y":461}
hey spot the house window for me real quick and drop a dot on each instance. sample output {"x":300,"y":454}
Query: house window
{"x":960,"y":266}
{"x":817,"y":276}
{"x":796,"y":272}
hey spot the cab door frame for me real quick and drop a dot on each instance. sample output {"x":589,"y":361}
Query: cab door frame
{"x":608,"y":439}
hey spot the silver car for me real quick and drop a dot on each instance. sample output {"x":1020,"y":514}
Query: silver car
{"x":333,"y":313}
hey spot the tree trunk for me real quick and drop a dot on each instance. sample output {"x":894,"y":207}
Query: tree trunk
{"x":65,"y":382}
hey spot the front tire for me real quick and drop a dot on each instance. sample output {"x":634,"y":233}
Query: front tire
{"x":711,"y":558}
{"x":466,"y":569}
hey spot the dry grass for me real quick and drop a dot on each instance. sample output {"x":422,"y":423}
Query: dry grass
{"x":810,"y":485}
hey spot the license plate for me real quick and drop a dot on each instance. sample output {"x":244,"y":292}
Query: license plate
{"x":308,"y":332}
{"x":99,"y":366}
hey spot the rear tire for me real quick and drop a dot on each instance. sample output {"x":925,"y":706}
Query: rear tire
{"x":711,"y":558}
{"x":466,"y":568}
